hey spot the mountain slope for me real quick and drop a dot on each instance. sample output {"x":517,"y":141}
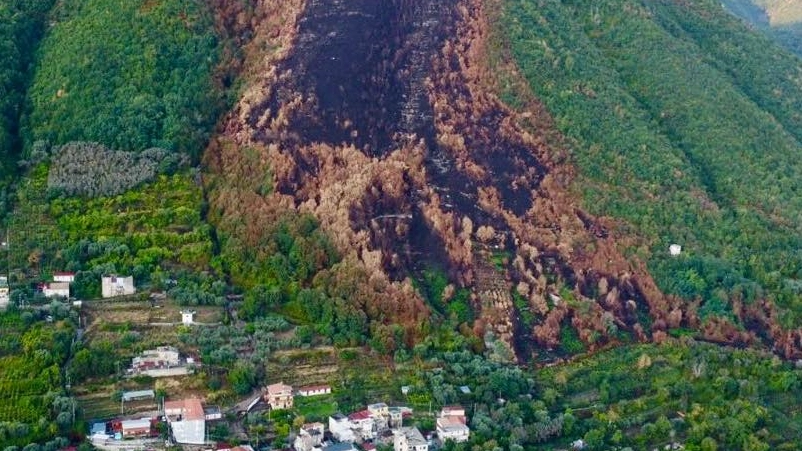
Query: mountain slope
{"x":418,"y":166}
{"x":691,"y":156}
{"x":782,"y":12}
{"x":423,"y":178}
{"x":131,"y":76}
{"x":780,"y":19}
{"x":23,"y":27}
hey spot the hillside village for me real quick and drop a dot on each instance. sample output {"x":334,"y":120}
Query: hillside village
{"x":187,"y":422}
{"x":154,"y":419}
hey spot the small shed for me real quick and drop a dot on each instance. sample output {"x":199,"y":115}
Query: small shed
{"x":136,"y":428}
{"x":56,"y":289}
{"x":675,"y":250}
{"x":314,"y":390}
{"x":67,"y":277}
{"x":138,"y":395}
{"x":187,"y":317}
{"x":97,"y":428}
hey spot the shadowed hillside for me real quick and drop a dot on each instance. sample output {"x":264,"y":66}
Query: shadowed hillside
{"x":780,"y":19}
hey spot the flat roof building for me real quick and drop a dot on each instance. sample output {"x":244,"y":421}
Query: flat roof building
{"x":187,"y":421}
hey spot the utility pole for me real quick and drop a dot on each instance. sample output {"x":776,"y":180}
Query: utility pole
{"x":8,"y":259}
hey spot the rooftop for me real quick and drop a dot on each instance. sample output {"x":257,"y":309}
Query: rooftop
{"x":452,"y":411}
{"x":57,"y":285}
{"x":361,"y":415}
{"x":314,"y":387}
{"x":191,"y":409}
{"x":414,"y":436}
{"x":211,"y":410}
{"x":340,"y":447}
{"x":136,"y":424}
{"x":313,"y":427}
{"x":451,"y":423}
{"x":278,"y":388}
{"x":129,"y":395}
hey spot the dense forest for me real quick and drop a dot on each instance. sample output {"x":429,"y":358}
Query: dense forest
{"x":130,"y":75}
{"x":22,"y":24}
{"x":680,"y":135}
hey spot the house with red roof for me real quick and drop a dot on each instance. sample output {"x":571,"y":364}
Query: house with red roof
{"x":187,"y":421}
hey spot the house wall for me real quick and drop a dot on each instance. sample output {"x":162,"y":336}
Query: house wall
{"x":167,"y":372}
{"x":280,"y":401}
{"x":456,"y":435}
{"x":316,"y":392}
{"x":136,"y":432}
{"x":120,"y":287}
{"x":53,"y":292}
{"x":191,"y":432}
{"x":341,"y":430}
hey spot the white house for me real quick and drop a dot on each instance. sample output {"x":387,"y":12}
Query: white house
{"x":341,"y":428}
{"x":363,"y":423}
{"x":409,"y":439}
{"x":451,"y":428}
{"x":113,"y":285}
{"x":68,"y":277}
{"x":187,"y":421}
{"x":396,"y":417}
{"x":212,"y":413}
{"x":310,"y":437}
{"x":379,"y":409}
{"x":4,"y":292}
{"x":161,"y":357}
{"x":279,"y":396}
{"x":675,"y":249}
{"x":56,"y":289}
{"x":314,"y":390}
{"x":187,"y":317}
{"x":452,"y":424}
